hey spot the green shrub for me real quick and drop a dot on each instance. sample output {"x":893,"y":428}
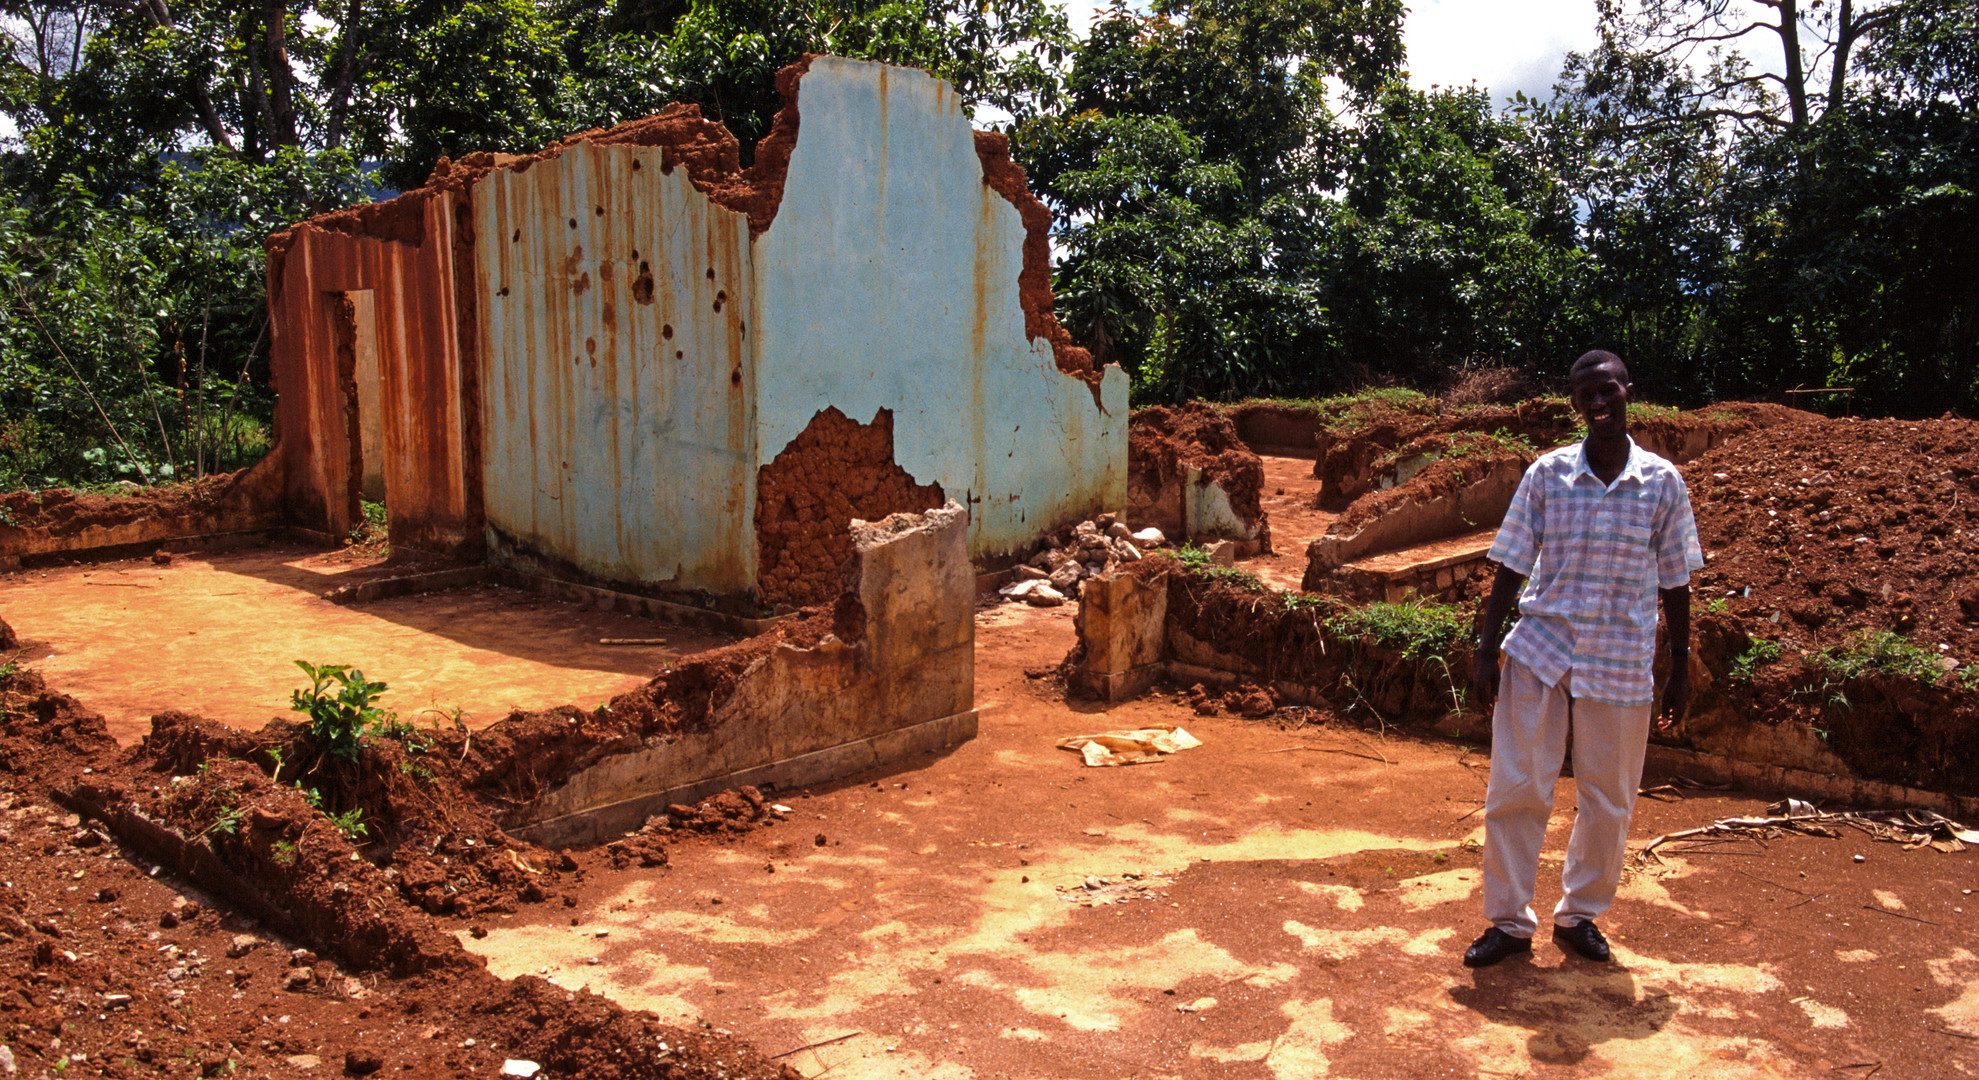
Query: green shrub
{"x":1198,"y":563}
{"x":1879,"y":651}
{"x":1758,"y":652}
{"x":339,"y":721}
{"x":1418,"y":629}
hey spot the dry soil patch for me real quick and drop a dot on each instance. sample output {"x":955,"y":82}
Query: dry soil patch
{"x":217,"y":634}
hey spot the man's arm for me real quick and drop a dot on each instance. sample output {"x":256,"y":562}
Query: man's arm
{"x":1676,"y":692}
{"x":1484,"y":672}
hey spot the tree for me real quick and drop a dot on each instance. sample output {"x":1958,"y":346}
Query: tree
{"x":1815,"y":43}
{"x":1191,"y":166}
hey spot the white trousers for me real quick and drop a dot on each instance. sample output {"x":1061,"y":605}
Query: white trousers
{"x":1528,"y":742}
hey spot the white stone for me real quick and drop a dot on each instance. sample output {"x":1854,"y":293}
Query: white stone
{"x":1149,"y":537}
{"x":520,"y":1069}
{"x":1044,"y":596}
{"x":1067,"y":575}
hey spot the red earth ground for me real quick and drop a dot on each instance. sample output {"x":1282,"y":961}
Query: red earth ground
{"x":1291,"y":899}
{"x":1287,"y":900}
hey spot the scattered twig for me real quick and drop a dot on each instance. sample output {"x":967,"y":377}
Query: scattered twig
{"x":632,"y":641}
{"x":1896,"y":914}
{"x":1953,"y":1034}
{"x":1331,"y":750}
{"x":1874,"y":1067}
{"x":119,"y":584}
{"x":1473,"y":810}
{"x":1763,"y":881}
{"x":815,"y":1045}
{"x":1798,"y":903}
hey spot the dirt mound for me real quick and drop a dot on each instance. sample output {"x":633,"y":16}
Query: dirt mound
{"x":1845,"y":549}
{"x":62,"y":512}
{"x":1354,"y":445}
{"x":1351,"y":448}
{"x":1161,"y":440}
{"x":220,"y":810}
{"x":1842,"y":526}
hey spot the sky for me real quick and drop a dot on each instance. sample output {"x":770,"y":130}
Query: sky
{"x":1502,"y":45}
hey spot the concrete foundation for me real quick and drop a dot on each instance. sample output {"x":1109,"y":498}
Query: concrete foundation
{"x":1435,"y":516}
{"x":808,"y":715}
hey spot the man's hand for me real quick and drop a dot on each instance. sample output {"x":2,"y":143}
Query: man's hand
{"x":1484,"y":680}
{"x":1676,"y":695}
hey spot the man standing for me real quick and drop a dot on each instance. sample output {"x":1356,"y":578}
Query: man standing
{"x":1595,"y":533}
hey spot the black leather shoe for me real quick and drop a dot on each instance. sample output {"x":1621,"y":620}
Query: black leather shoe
{"x":1494,"y":946}
{"x":1584,"y":939}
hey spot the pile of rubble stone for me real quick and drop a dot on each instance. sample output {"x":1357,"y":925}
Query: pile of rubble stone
{"x":1090,"y":549}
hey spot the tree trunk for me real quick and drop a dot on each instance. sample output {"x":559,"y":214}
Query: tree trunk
{"x":160,"y":18}
{"x":345,"y":79}
{"x":1796,"y":75}
{"x":281,"y":77}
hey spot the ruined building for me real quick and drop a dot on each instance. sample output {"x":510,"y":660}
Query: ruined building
{"x":627,"y":360}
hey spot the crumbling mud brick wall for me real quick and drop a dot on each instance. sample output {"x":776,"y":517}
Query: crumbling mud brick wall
{"x":401,"y":254}
{"x":836,"y":470}
{"x":894,"y":675}
{"x":632,"y":328}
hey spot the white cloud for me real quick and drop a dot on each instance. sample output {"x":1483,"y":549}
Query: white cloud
{"x":1502,"y":45}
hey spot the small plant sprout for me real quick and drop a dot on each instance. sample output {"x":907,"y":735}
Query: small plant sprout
{"x":352,"y":824}
{"x":339,"y":707}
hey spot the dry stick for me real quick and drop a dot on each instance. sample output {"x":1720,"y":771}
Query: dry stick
{"x":815,"y":1045}
{"x":80,"y":381}
{"x":1332,"y":750}
{"x":1953,"y":1034}
{"x":1809,"y":900}
{"x":1763,"y":881}
{"x":1896,"y":914}
{"x":199,"y":395}
{"x":227,"y":415}
{"x":151,"y":398}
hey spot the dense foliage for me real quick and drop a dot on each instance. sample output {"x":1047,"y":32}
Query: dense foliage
{"x":1251,"y":201}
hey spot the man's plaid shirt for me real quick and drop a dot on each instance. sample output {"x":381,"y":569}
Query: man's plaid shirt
{"x":1594,"y":556}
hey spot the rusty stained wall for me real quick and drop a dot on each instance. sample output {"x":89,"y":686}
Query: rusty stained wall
{"x":412,"y":309}
{"x":889,"y":281}
{"x":615,"y":388}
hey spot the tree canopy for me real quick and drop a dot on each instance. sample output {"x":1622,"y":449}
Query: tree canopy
{"x":1739,"y":196}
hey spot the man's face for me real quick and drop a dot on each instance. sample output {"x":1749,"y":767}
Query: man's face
{"x":1600,"y":394}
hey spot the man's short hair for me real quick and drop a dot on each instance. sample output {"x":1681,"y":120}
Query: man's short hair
{"x":1596,"y":358}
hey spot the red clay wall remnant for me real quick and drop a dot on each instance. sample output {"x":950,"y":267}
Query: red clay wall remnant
{"x":835,"y":470}
{"x":1162,"y":440}
{"x":1003,"y":175}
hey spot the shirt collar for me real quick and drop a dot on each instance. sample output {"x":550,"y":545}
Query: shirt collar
{"x":1631,"y":469}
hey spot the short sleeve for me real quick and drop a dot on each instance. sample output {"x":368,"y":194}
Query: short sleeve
{"x":1675,"y":540}
{"x":1517,"y":545}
